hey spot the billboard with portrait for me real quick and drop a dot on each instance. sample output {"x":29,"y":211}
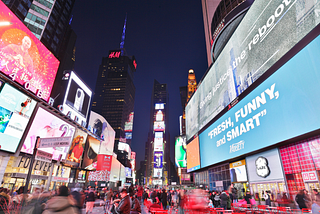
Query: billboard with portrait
{"x":180,"y":151}
{"x":238,"y":171}
{"x":15,"y":111}
{"x":23,"y":57}
{"x":157,"y":173}
{"x":284,"y":106}
{"x":45,"y":125}
{"x":266,"y":33}
{"x":193,"y":155}
{"x":105,"y":131}
{"x":75,"y":153}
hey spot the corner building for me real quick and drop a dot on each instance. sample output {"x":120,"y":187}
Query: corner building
{"x":253,"y":121}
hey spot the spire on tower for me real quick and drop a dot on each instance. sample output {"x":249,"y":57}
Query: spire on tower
{"x":123,"y":36}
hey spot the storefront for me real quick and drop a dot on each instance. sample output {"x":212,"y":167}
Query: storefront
{"x":17,"y":169}
{"x":301,"y":164}
{"x":60,"y":176}
{"x":219,"y":177}
{"x":238,"y":176}
{"x":265,"y":173}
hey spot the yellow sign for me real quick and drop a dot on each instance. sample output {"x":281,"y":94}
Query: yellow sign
{"x":237,"y":164}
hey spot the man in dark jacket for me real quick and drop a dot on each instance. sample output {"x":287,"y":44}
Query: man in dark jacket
{"x":224,"y":200}
{"x":164,"y":199}
{"x":124,"y":205}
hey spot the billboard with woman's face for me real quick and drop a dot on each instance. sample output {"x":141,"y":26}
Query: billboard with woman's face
{"x":77,"y":147}
{"x":23,"y":57}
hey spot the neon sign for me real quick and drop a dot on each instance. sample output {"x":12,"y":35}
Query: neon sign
{"x":114,"y":54}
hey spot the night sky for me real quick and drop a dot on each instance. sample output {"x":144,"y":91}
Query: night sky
{"x":165,"y":36}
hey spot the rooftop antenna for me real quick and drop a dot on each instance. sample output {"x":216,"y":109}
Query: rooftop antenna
{"x":123,"y":36}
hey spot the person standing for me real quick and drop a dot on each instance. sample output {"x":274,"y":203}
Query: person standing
{"x":108,"y":197}
{"x":224,"y":200}
{"x":300,"y":199}
{"x":90,"y":201}
{"x":164,"y":197}
{"x":247,"y":197}
{"x":123,"y":207}
{"x":267,"y":198}
{"x":234,"y":194}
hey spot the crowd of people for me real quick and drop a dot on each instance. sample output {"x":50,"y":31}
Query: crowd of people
{"x":133,"y":200}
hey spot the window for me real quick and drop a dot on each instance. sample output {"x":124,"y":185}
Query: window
{"x":55,"y":38}
{"x":39,"y":10}
{"x":45,"y":3}
{"x":52,"y":20}
{"x":22,"y":10}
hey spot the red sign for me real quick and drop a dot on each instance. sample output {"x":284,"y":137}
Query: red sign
{"x":114,"y":54}
{"x":104,"y":162}
{"x":309,"y":176}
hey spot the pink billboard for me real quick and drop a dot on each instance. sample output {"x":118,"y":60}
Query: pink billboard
{"x":47,"y":125}
{"x":23,"y":57}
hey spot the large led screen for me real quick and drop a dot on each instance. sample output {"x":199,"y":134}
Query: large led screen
{"x":158,"y":126}
{"x":284,"y":106}
{"x":267,"y":32}
{"x":158,"y":159}
{"x":23,"y":57}
{"x":77,"y":97}
{"x":158,"y":144}
{"x":91,"y":151}
{"x":105,"y":131}
{"x":77,"y":147}
{"x":47,"y":125}
{"x":180,"y":151}
{"x":238,"y":171}
{"x":193,"y":155}
{"x":15,"y":111}
{"x":157,"y":173}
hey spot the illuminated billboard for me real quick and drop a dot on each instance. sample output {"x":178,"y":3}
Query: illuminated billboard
{"x":158,"y":144}
{"x":103,"y":130}
{"x":128,"y":172}
{"x":15,"y":112}
{"x":157,"y":173}
{"x":77,"y":98}
{"x":124,"y":147}
{"x":158,"y":159}
{"x":238,"y":171}
{"x":91,"y":152}
{"x":266,"y":33}
{"x":180,"y":150}
{"x":23,"y":57}
{"x":159,"y":116}
{"x":284,"y":106}
{"x":46,"y":125}
{"x":193,"y":155}
{"x":159,"y":106}
{"x":129,"y":124}
{"x":158,"y":126}
{"x":74,"y":156}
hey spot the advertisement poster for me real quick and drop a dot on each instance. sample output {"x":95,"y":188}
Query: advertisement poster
{"x":284,"y":106}
{"x":104,"y":130}
{"x":90,"y":156}
{"x":181,"y":151}
{"x":158,"y":126}
{"x":193,"y":155}
{"x":238,"y":171}
{"x":23,"y":57}
{"x":15,"y":112}
{"x":266,"y":33}
{"x":99,"y":175}
{"x":158,"y":159}
{"x":77,"y":148}
{"x":104,"y":162}
{"x":51,"y":126}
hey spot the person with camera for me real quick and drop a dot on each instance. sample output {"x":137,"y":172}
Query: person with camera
{"x":124,"y":205}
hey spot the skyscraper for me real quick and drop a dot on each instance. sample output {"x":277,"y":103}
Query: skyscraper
{"x":158,"y":144}
{"x":47,"y":19}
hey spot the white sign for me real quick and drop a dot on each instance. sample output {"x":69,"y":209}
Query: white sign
{"x":173,"y":183}
{"x":43,"y":156}
{"x":309,"y":176}
{"x":54,"y":142}
{"x":60,"y":179}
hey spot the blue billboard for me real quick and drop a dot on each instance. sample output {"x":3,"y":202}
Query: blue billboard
{"x":158,"y":159}
{"x":284,"y":106}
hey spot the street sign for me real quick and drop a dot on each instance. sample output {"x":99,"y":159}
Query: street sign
{"x":43,"y":156}
{"x":54,"y":142}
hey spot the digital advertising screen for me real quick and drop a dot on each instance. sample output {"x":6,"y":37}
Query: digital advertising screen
{"x":128,"y":125}
{"x":128,"y":172}
{"x":158,"y":144}
{"x":158,"y":159}
{"x":124,"y":147}
{"x":180,"y":151}
{"x":157,"y":173}
{"x":159,"y":106}
{"x":105,"y":131}
{"x":46,"y":125}
{"x":23,"y":57}
{"x":91,"y":152}
{"x":77,"y":97}
{"x":158,"y":126}
{"x":77,"y":147}
{"x":284,"y":106}
{"x":238,"y":171}
{"x":193,"y":155}
{"x":159,"y":115}
{"x":266,"y":33}
{"x":15,"y":111}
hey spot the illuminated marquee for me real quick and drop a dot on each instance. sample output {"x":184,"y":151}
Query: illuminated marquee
{"x":114,"y":54}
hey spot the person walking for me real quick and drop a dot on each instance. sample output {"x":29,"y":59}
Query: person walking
{"x":90,"y":201}
{"x":61,"y":204}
